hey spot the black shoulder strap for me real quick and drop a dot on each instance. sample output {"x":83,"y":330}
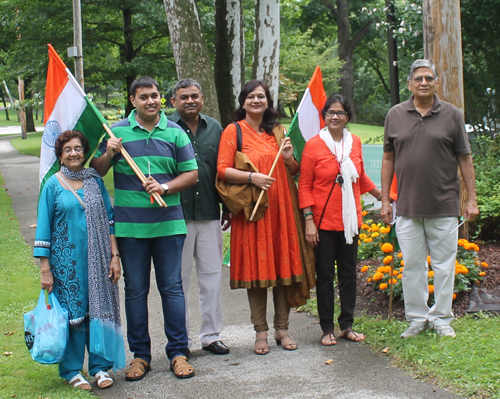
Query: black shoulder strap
{"x":239,"y":138}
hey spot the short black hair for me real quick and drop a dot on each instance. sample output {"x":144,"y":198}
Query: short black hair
{"x":334,"y":99}
{"x":143,"y":81}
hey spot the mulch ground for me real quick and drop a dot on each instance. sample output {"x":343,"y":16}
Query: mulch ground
{"x":377,"y":303}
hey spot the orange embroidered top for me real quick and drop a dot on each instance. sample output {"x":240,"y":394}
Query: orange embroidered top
{"x":266,"y":252}
{"x":318,"y":171}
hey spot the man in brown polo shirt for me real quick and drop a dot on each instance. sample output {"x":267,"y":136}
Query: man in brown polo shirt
{"x":424,"y":143}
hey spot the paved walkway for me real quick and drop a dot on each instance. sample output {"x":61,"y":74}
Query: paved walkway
{"x":356,"y":372}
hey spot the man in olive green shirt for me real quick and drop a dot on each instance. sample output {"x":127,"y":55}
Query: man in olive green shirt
{"x":202,"y":213}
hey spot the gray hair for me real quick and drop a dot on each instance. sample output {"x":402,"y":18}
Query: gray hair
{"x":183,"y":83}
{"x":421,"y":64}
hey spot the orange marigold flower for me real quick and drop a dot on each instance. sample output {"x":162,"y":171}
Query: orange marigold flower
{"x":386,"y":248}
{"x":402,"y":263}
{"x":369,"y":239}
{"x":375,"y":235}
{"x":401,"y":269}
{"x":395,"y":272}
{"x":387,"y":269}
{"x":380,"y":269}
{"x":484,"y":264}
{"x":387,"y":260}
{"x":374,"y":227}
{"x":394,"y":281}
{"x":400,"y":276}
{"x":364,"y":227}
{"x":362,"y":236}
{"x":430,"y":273}
{"x":385,"y":230}
{"x":364,"y":213}
{"x":482,"y":274}
{"x":454,"y":295}
{"x":377,"y":276}
{"x":429,"y":259}
{"x":369,"y":279}
{"x":431,"y":289}
{"x":364,"y":269}
{"x":359,"y":242}
{"x":462,"y":242}
{"x":400,"y":255}
{"x":382,"y":286}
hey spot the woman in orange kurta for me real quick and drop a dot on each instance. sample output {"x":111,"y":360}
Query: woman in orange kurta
{"x":264,"y":253}
{"x":331,"y":182}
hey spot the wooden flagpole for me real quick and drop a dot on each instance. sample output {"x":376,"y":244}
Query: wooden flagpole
{"x":135,"y":168}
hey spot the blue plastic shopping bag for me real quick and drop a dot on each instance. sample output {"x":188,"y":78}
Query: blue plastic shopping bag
{"x":46,"y":330}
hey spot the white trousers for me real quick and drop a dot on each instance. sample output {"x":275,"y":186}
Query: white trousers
{"x":419,"y":237}
{"x":203,"y":244}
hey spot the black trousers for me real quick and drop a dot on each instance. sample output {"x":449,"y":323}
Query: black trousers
{"x":333,"y":247}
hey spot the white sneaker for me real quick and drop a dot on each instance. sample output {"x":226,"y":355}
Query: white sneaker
{"x":445,"y":331}
{"x":414,"y":330}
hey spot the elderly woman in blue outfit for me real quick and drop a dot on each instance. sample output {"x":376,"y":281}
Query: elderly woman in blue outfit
{"x":79,"y":260}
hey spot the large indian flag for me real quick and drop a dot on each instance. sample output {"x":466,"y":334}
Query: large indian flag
{"x":67,"y":107}
{"x":308,"y":121}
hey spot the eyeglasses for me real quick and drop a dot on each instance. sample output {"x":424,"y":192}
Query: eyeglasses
{"x":420,"y":79}
{"x":331,"y":113}
{"x":68,"y":150}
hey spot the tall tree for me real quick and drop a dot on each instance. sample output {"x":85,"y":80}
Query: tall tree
{"x":347,"y":44}
{"x":190,"y":49}
{"x":266,"y":54}
{"x":229,"y":55}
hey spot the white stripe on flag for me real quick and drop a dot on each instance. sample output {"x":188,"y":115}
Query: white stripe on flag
{"x":68,"y":108}
{"x":309,"y":120}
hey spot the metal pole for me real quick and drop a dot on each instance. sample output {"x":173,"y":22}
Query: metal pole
{"x":393,"y":53}
{"x":77,"y":38}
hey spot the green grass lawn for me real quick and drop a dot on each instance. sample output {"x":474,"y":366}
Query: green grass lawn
{"x":20,"y":376}
{"x":14,"y":121}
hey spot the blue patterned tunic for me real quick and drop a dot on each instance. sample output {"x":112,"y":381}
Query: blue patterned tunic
{"x":61,"y":236}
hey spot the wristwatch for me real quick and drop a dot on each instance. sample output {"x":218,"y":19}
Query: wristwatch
{"x":165,"y":188}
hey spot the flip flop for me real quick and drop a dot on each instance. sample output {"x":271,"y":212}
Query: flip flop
{"x":333,"y":340}
{"x":347,"y":333}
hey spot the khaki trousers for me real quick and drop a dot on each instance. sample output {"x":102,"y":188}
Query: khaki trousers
{"x":257,"y":298}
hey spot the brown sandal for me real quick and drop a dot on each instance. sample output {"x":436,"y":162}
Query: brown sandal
{"x":282,"y":338}
{"x":137,"y":370}
{"x":261,"y":347}
{"x":356,"y":337}
{"x":331,"y":335}
{"x":181,"y":367}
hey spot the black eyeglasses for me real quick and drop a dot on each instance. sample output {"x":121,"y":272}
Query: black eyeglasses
{"x":420,"y":79}
{"x":331,"y":113}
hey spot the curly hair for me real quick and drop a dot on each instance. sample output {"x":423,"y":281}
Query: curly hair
{"x":68,"y":135}
{"x":269,"y":118}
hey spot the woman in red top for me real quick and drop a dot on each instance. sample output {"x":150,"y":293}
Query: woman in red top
{"x":264,"y":253}
{"x":331,"y":181}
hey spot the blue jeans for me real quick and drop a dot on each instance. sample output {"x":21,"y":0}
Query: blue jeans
{"x":166,"y":253}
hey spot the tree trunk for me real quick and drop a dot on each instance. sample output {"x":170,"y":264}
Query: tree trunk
{"x":28,"y":95}
{"x":5,"y":107}
{"x":229,"y":56}
{"x":190,"y":50}
{"x":266,"y":56}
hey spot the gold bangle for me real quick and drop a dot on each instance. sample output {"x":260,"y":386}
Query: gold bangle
{"x":288,"y":163}
{"x":44,"y":271}
{"x":117,"y":255}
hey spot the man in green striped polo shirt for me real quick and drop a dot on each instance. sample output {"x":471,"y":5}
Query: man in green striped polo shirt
{"x":146,"y":231}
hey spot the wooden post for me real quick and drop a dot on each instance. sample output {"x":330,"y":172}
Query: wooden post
{"x":443,"y":47}
{"x":22,"y":117}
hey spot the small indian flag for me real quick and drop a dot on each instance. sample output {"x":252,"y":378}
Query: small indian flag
{"x":308,"y":121}
{"x":67,"y":107}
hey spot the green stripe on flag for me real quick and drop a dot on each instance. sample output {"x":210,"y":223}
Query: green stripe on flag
{"x":296,"y":137}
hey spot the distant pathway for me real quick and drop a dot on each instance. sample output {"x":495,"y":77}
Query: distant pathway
{"x":356,"y":372}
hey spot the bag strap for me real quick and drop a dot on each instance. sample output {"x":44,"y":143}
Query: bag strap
{"x":326,"y":203}
{"x":239,"y":138}
{"x":65,"y":183}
